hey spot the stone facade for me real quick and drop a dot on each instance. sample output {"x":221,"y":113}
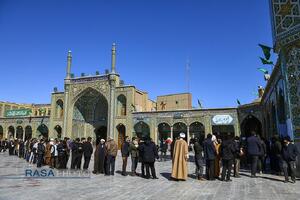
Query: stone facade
{"x":102,"y":106}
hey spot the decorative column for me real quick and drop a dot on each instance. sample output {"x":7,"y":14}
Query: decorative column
{"x":113,"y":58}
{"x":188,"y":135}
{"x":69,"y":63}
{"x":66,"y":97}
{"x":2,"y":110}
{"x":23,"y":136}
{"x":155,"y":136}
{"x":111,"y":116}
{"x":172,"y":132}
{"x":112,"y":100}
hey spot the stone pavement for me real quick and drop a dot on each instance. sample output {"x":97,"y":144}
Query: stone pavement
{"x":14,"y":186}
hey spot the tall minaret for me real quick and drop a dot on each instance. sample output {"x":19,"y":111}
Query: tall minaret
{"x":69,"y":64}
{"x":113,"y":58}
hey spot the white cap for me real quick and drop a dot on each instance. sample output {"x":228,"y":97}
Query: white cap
{"x":102,"y":140}
{"x":182,"y":135}
{"x":214,"y":138}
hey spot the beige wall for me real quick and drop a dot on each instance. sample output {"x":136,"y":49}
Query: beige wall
{"x":174,"y":102}
{"x":4,"y":106}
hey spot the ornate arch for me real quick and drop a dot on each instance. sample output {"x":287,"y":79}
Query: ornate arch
{"x":180,"y":121}
{"x":121,"y":105}
{"x":163,"y":122}
{"x":78,"y":90}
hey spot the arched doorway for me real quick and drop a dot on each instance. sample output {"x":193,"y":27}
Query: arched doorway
{"x":178,"y":128}
{"x":90,"y":115}
{"x":121,"y":105}
{"x":101,"y":133}
{"x":20,"y":131}
{"x":11,"y":132}
{"x":250,"y":124}
{"x":196,"y":130}
{"x":121,"y":135}
{"x":220,"y":131}
{"x":1,"y":132}
{"x":58,"y":129}
{"x":43,"y":130}
{"x":164,"y":131}
{"x":59,"y":109}
{"x":28,"y":132}
{"x":142,"y":129}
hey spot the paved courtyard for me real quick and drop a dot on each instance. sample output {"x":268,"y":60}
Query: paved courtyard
{"x":13,"y":186}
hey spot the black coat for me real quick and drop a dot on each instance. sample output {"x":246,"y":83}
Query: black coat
{"x":87,"y":149}
{"x":228,"y":150}
{"x":276,"y":148}
{"x":198,"y":148}
{"x":149,"y":151}
{"x":61,"y":150}
{"x":125,"y":149}
{"x":40,"y":149}
{"x":237,"y":146}
{"x":99,"y":158}
{"x":263,"y":151}
{"x":209,"y":150}
{"x":290,"y":152}
{"x":254,"y":146}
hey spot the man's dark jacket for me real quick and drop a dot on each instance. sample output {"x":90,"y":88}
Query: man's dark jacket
{"x":209,"y":150}
{"x":253,"y":146}
{"x":289,"y":152}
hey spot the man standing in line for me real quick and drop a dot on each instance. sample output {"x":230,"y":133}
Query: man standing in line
{"x":54,"y":154}
{"x":87,"y":152}
{"x":237,"y":156}
{"x":133,"y":149}
{"x":11,"y":147}
{"x":112,"y":151}
{"x":289,"y":155}
{"x":99,"y":158}
{"x":140,"y":147}
{"x":277,"y":150}
{"x":40,"y":153}
{"x":210,"y":156}
{"x":180,"y":158}
{"x":75,"y":153}
{"x":199,"y":158}
{"x":125,"y":155}
{"x":254,"y":151}
{"x":149,"y":153}
{"x":62,"y":157}
{"x":48,"y":152}
{"x":80,"y":153}
{"x":227,"y":154}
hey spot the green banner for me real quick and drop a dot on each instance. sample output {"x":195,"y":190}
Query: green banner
{"x":18,"y":113}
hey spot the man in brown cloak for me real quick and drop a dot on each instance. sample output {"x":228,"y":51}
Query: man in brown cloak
{"x":180,"y":157}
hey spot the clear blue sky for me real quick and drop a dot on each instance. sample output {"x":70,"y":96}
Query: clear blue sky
{"x":154,"y":39}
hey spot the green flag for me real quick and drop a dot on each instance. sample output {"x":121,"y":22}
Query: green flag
{"x":266,"y":50}
{"x":199,"y":103}
{"x":266,"y":62}
{"x":263,"y":70}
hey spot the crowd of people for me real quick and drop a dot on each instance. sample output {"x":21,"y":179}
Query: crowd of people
{"x":219,"y":157}
{"x":54,"y":153}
